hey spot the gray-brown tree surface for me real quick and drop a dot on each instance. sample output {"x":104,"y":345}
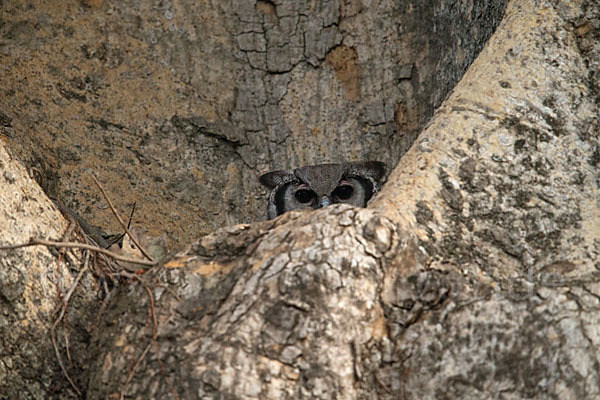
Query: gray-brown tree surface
{"x":474,"y":274}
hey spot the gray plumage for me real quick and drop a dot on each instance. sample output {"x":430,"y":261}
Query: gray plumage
{"x":318,"y":186}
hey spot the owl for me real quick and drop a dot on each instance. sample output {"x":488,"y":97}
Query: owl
{"x":318,"y":186}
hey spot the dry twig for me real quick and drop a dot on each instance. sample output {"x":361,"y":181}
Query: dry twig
{"x":74,"y":245}
{"x":63,"y":309}
{"x":144,"y":252}
{"x":110,"y":270}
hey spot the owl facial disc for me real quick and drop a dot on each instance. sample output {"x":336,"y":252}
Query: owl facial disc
{"x":318,"y":186}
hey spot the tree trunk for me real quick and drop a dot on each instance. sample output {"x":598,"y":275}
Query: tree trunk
{"x":473,"y":274}
{"x":179,"y":106}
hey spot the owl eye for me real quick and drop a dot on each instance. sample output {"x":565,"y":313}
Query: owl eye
{"x":343,"y":192}
{"x":304,"y":195}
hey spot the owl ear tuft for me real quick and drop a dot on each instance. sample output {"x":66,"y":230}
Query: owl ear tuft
{"x":375,"y":169}
{"x":275,"y":178}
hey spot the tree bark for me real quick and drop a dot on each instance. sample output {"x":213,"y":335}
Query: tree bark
{"x":179,"y":106}
{"x":473,"y":274}
{"x":33,"y":282}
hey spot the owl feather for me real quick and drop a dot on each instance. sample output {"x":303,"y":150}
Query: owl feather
{"x":317,"y":186}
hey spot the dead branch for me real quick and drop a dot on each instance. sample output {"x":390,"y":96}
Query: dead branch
{"x":63,"y":309}
{"x":73,"y":245}
{"x":144,"y":252}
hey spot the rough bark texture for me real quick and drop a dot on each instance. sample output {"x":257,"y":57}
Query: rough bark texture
{"x":32,"y":283}
{"x":503,"y":187}
{"x":491,"y":292}
{"x":273,"y":310}
{"x":181,"y":105}
{"x":474,"y":273}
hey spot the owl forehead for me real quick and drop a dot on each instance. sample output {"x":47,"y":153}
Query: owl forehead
{"x":322,"y":179}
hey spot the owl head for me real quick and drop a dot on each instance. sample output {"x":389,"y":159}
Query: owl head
{"x":318,"y":186}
